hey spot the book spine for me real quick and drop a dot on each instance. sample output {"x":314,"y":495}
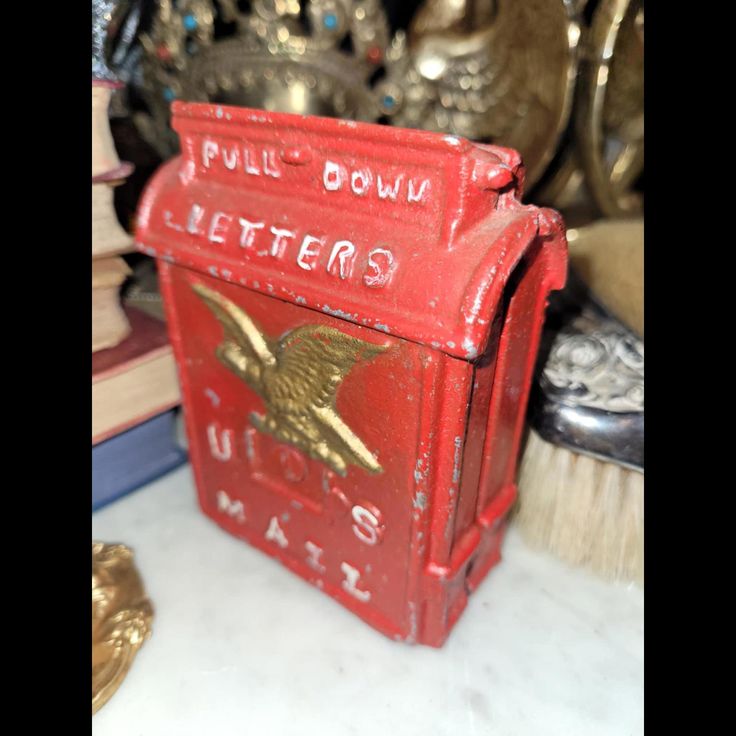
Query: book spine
{"x":134,"y":458}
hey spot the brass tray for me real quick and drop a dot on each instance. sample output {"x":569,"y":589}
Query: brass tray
{"x":121,"y":618}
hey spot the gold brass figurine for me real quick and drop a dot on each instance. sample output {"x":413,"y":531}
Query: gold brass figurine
{"x":297,"y":377}
{"x":498,"y":71}
{"x":121,"y":618}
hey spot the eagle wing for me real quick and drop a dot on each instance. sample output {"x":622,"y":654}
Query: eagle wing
{"x":243,"y":341}
{"x":312,"y":363}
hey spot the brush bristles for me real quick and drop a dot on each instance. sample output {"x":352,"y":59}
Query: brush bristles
{"x":585,"y":511}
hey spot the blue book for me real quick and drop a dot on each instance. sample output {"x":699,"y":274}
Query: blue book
{"x":135,"y":457}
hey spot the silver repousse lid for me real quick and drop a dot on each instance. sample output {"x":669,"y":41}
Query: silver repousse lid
{"x":589,"y":393}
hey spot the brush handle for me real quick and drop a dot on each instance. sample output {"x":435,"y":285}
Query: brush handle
{"x":589,"y":396}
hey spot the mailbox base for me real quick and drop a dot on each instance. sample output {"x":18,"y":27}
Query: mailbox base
{"x":476,"y":553}
{"x":444,"y":591}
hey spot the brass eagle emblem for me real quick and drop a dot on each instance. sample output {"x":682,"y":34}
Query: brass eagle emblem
{"x":297,"y":376}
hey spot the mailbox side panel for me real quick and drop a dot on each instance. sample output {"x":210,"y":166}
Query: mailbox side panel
{"x":501,"y":384}
{"x":349,"y":535}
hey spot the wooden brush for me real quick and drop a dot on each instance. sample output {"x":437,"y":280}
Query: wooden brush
{"x":581,"y":479}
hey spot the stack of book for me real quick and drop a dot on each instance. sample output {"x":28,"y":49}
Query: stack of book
{"x":134,"y":382}
{"x":134,"y":422}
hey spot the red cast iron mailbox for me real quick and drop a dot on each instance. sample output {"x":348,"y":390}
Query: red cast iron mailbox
{"x":355,"y":312}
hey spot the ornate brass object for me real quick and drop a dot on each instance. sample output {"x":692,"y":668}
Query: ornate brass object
{"x":284,"y":55}
{"x":297,"y":377}
{"x":610,"y":119}
{"x":500,"y":71}
{"x":121,"y":618}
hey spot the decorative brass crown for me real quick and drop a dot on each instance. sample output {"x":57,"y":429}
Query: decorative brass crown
{"x":501,"y":72}
{"x":314,"y":57}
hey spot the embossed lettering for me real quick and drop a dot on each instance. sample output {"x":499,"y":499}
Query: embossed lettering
{"x":352,"y":576}
{"x":381,"y":263}
{"x":360,"y":182}
{"x":367,"y":526}
{"x":314,"y":552}
{"x":385,"y":191}
{"x":170,"y":223}
{"x":196,"y":213}
{"x":342,"y":250}
{"x":250,"y":437}
{"x":230,"y":158}
{"x":248,"y":231}
{"x":356,"y":178}
{"x":332,"y":176}
{"x":292,"y":464}
{"x":221,"y":443}
{"x":210,"y":150}
{"x":270,"y":168}
{"x":250,"y":168}
{"x":279,"y":240}
{"x":417,"y":196}
{"x":232,"y":508}
{"x":217,"y":229}
{"x":306,"y":253}
{"x":275,"y":533}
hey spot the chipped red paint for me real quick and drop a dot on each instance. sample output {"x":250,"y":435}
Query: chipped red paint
{"x":409,"y":240}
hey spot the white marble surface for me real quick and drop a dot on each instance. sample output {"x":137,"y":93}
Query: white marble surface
{"x":242,"y":646}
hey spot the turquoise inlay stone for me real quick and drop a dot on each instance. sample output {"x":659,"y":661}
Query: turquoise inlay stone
{"x":169,"y":94}
{"x":388,"y":101}
{"x":330,"y":21}
{"x":190,"y":22}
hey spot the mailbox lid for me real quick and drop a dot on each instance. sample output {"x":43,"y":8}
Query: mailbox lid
{"x":407,"y":232}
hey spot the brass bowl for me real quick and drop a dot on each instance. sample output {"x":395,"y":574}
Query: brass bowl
{"x":121,"y":618}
